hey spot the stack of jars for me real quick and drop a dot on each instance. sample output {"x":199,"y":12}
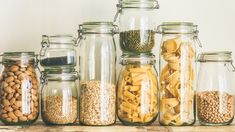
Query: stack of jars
{"x":59,"y":88}
{"x":137,"y":95}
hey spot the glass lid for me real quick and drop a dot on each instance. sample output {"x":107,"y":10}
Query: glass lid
{"x":219,"y":56}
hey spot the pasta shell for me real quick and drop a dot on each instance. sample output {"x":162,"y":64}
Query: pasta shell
{"x":175,"y":66}
{"x":171,"y":57}
{"x":171,"y":45}
{"x":174,"y":76}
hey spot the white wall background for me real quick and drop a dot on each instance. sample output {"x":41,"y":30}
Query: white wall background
{"x":22,"y":22}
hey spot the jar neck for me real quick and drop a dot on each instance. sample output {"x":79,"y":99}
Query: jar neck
{"x":61,"y":46}
{"x":20,"y":58}
{"x":139,"y":4}
{"x":97,"y":28}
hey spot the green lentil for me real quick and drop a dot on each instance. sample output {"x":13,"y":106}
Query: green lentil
{"x":137,"y":41}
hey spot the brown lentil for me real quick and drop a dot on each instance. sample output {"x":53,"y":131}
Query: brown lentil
{"x":137,"y":41}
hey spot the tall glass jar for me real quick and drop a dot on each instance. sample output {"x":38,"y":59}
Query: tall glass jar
{"x":137,"y":102}
{"x":19,"y":103}
{"x":215,"y":95}
{"x":177,"y":73}
{"x":97,"y":72}
{"x":59,"y":98}
{"x":136,"y":25}
{"x":58,"y":52}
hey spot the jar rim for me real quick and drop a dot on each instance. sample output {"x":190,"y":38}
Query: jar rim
{"x":60,"y":76}
{"x":66,"y":39}
{"x":98,"y":27}
{"x":147,"y":58}
{"x":217,"y":56}
{"x":26,"y":57}
{"x":177,"y":28}
{"x":145,"y":4}
{"x":19,"y":54}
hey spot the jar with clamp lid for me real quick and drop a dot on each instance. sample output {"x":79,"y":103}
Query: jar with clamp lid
{"x":177,"y":73}
{"x":137,"y":19}
{"x":59,"y":103}
{"x":137,"y":102}
{"x":58,"y":52}
{"x":97,"y":73}
{"x":215,"y":91}
{"x":19,"y":103}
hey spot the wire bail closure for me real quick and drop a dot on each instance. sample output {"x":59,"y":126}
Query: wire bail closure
{"x":195,"y":34}
{"x":45,"y":44}
{"x":120,"y":6}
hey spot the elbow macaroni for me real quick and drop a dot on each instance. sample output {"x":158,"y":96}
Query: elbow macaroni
{"x":137,"y":94}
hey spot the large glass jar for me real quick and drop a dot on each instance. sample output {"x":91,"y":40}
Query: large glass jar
{"x":58,"y":52}
{"x":19,"y":103}
{"x":215,"y":95}
{"x":97,"y":74}
{"x":137,"y":102}
{"x":136,"y":25}
{"x":177,"y":73}
{"x":59,"y":98}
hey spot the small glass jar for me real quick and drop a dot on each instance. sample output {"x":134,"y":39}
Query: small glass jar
{"x":137,"y":25}
{"x":19,"y":103}
{"x":177,"y":73}
{"x":59,"y":98}
{"x":97,"y":74}
{"x":137,"y":102}
{"x":215,"y":96}
{"x":58,"y":52}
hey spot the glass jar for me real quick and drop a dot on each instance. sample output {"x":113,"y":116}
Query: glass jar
{"x":215,"y":98}
{"x":136,"y":25}
{"x":58,"y":52}
{"x":19,"y":104}
{"x":97,"y":72}
{"x":137,"y":102}
{"x":177,"y":73}
{"x":59,"y":98}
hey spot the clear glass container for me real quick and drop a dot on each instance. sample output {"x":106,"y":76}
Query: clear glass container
{"x":59,"y":98}
{"x":137,"y":21}
{"x":177,"y":73}
{"x":137,"y":96}
{"x":58,"y":52}
{"x":215,"y":95}
{"x":97,"y":73}
{"x":19,"y":103}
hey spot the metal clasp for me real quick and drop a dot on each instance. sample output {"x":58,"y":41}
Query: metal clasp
{"x":233,"y":70}
{"x":119,"y":10}
{"x":80,"y":35}
{"x":1,"y":55}
{"x":43,"y":78}
{"x":158,"y":30}
{"x":195,"y":37}
{"x":45,"y":44}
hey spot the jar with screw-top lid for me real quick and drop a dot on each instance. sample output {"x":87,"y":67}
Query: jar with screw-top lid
{"x":215,"y":95}
{"x":19,"y":103}
{"x":137,"y":19}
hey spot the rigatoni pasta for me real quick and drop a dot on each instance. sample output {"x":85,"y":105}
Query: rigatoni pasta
{"x":138,"y":94}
